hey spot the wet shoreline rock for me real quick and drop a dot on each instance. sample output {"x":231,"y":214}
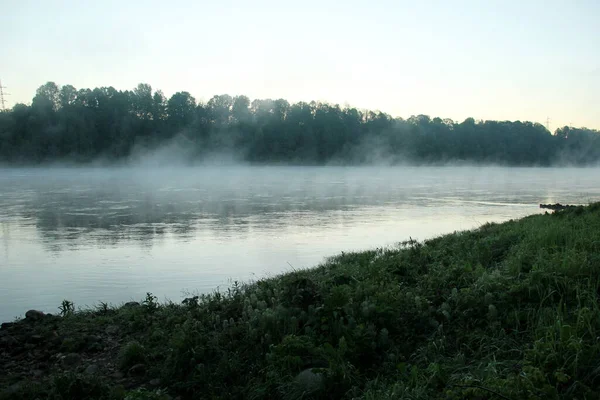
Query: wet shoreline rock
{"x":34,"y":315}
{"x":556,"y":207}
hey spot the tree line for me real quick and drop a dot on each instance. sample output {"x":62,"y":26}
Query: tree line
{"x":63,"y":123}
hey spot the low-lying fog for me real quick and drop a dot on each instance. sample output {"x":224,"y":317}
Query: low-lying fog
{"x":113,"y":234}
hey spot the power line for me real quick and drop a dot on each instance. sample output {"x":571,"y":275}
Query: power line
{"x":2,"y":94}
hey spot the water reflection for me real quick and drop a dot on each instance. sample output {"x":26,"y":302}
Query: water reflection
{"x":71,"y":208}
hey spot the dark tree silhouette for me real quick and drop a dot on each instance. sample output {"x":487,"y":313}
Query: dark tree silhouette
{"x":63,"y":123}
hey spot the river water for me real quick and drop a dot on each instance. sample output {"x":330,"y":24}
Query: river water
{"x":113,"y":234}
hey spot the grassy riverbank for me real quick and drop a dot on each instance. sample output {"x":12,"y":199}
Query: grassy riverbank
{"x":508,"y":311}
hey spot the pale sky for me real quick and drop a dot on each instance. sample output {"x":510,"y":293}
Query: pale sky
{"x":487,"y":59}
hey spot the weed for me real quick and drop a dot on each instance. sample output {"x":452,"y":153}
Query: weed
{"x":150,"y":303}
{"x":66,"y":308}
{"x":505,"y":311}
{"x":131,"y":354}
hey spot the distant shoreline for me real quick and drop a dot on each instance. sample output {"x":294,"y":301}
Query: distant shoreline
{"x":105,"y":125}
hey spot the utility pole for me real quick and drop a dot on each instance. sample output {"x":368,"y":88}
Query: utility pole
{"x":548,"y":123}
{"x":2,"y":94}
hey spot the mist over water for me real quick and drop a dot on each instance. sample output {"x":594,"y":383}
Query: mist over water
{"x":113,"y":234}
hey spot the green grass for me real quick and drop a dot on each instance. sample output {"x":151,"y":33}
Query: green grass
{"x":507,"y":311}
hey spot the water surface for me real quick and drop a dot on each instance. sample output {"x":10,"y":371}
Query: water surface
{"x":91,"y":235}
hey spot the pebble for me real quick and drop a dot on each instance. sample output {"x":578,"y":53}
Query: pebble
{"x":92,"y":369}
{"x":118,"y":375}
{"x":71,"y":359}
{"x":309,"y":381}
{"x":36,"y":338}
{"x":92,"y":338}
{"x":111,"y":330}
{"x":8,"y":341}
{"x":137,"y":369}
{"x":12,"y":389}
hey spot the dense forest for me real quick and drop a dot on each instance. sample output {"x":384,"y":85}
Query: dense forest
{"x":66,"y":124}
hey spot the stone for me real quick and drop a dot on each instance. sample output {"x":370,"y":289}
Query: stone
{"x":69,"y":344}
{"x":34,"y":315}
{"x":36,"y":338}
{"x":118,"y":375}
{"x":154,"y":382}
{"x":137,"y":369}
{"x":6,"y":325}
{"x":92,"y":369}
{"x":71,"y":359}
{"x":95,"y":347}
{"x":12,"y":389}
{"x":8,"y":341}
{"x":37,"y":373}
{"x":92,"y":338}
{"x":308,"y":381}
{"x":93,"y":343}
{"x":112,"y":330}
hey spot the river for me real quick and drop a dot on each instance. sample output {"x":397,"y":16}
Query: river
{"x":113,"y":234}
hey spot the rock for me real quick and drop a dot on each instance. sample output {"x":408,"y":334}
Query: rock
{"x":137,"y":369}
{"x":154,"y":382}
{"x":118,"y":392}
{"x":8,"y":341}
{"x":36,"y":338}
{"x":93,"y":343}
{"x":69,"y":344}
{"x":92,"y":338}
{"x":308,"y":381}
{"x":557,"y":206}
{"x":12,"y":389}
{"x":37,"y":373}
{"x":34,"y":315}
{"x":92,"y":369}
{"x":17,"y":351}
{"x":6,"y":325}
{"x":112,"y":330}
{"x":118,"y":375}
{"x":52,"y":318}
{"x":95,"y":347}
{"x":131,"y":304}
{"x":71,"y":359}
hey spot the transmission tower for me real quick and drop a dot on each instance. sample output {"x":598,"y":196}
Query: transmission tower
{"x":2,"y":94}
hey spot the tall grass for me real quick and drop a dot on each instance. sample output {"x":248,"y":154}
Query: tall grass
{"x":505,"y":311}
